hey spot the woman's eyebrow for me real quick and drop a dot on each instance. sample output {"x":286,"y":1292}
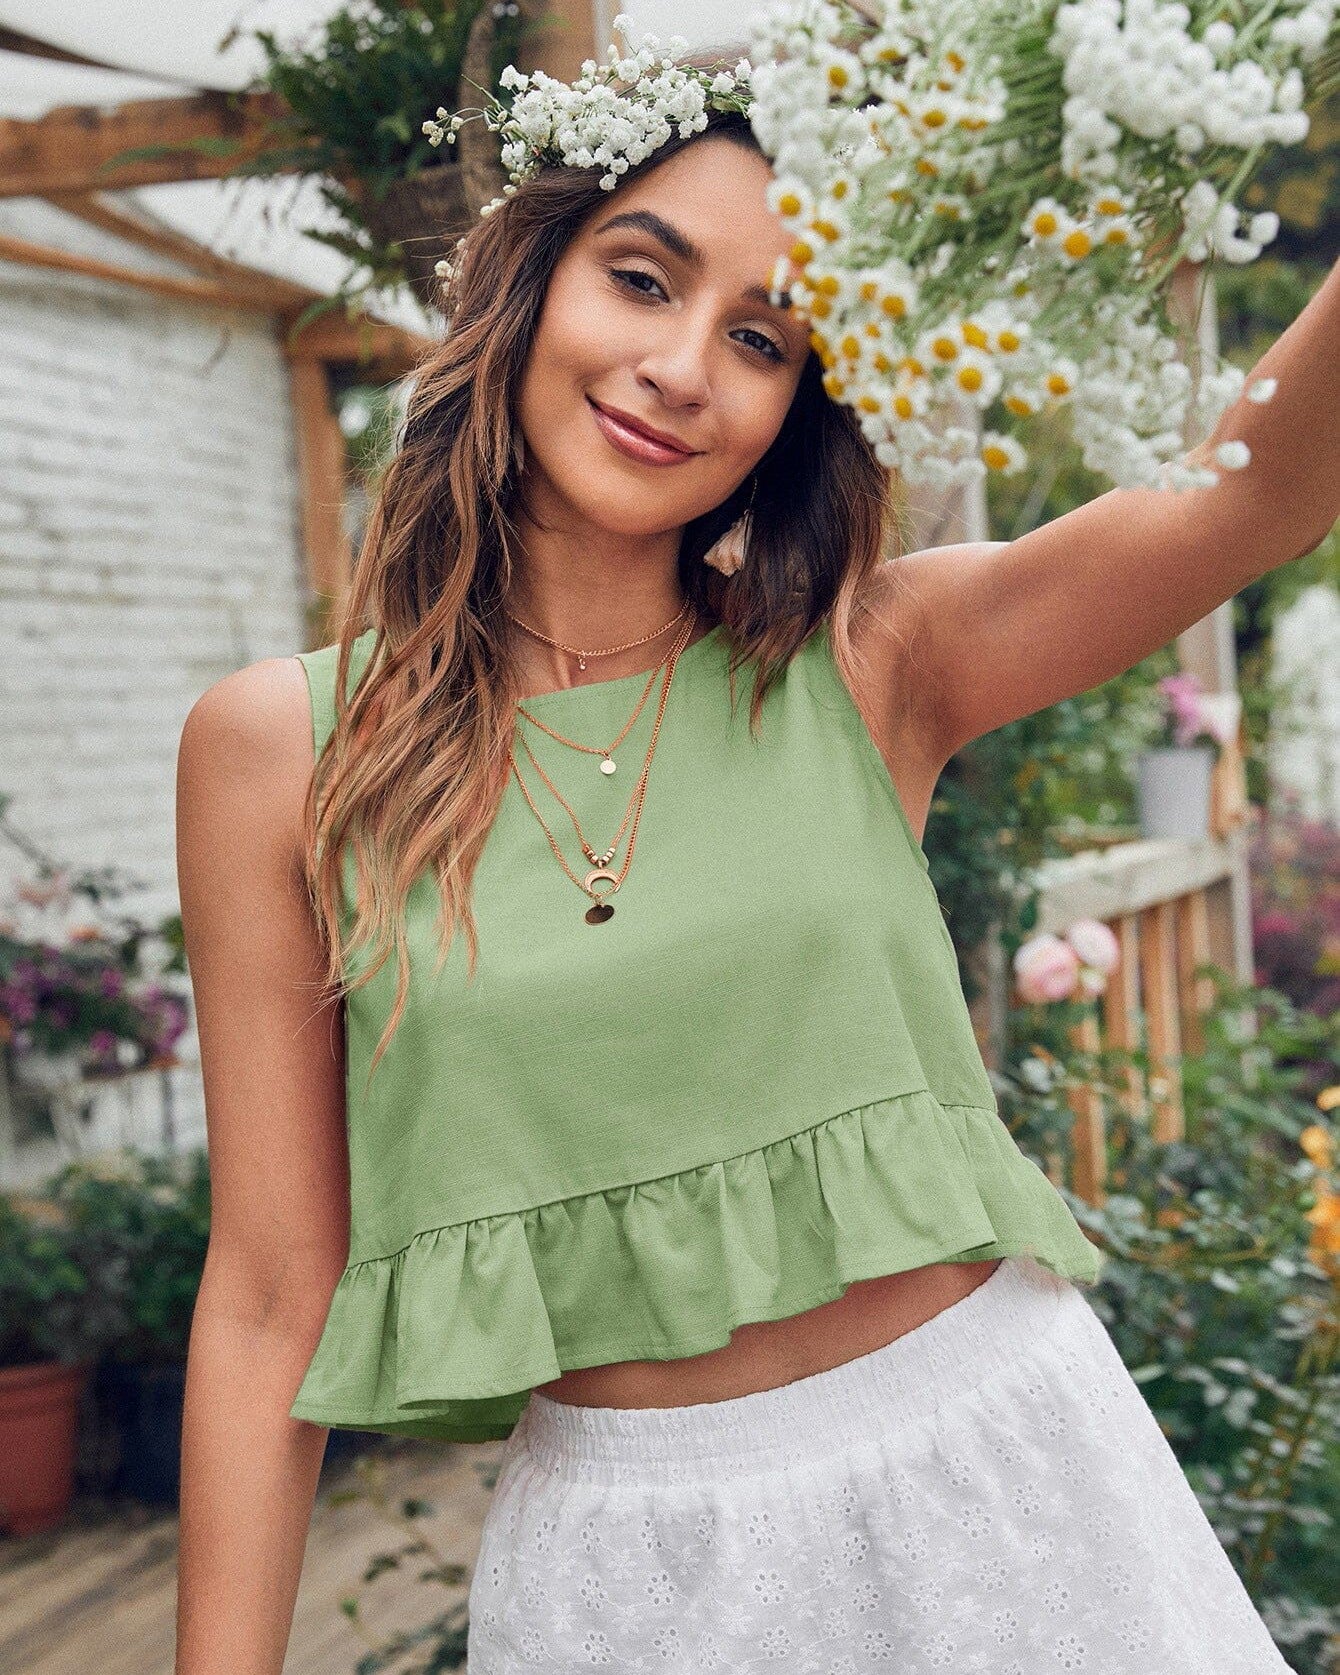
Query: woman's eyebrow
{"x":680,"y":244}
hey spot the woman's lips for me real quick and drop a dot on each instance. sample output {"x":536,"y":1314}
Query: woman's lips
{"x":633,"y":443}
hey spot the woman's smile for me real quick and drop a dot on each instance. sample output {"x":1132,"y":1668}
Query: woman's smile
{"x":636,"y":444}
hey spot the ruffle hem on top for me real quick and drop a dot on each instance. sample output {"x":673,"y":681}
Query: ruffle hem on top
{"x":446,"y":1337}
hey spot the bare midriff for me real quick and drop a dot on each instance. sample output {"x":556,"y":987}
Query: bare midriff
{"x":763,"y":1354}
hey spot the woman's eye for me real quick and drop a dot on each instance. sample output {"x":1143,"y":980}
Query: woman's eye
{"x":770,"y":349}
{"x":629,"y":276}
{"x":626,"y":274}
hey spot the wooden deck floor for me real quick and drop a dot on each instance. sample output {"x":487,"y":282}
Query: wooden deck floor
{"x":99,"y":1594}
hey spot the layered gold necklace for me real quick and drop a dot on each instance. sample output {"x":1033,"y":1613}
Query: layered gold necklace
{"x":600,"y":872}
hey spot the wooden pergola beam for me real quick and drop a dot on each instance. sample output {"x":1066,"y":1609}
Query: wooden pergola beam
{"x":265,"y":290}
{"x":385,"y":351}
{"x":214,"y":293}
{"x":74,"y":148}
{"x":14,"y":40}
{"x":335,"y":338}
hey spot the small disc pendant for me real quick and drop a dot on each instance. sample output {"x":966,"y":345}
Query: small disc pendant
{"x":607,"y":766}
{"x":598,"y":914}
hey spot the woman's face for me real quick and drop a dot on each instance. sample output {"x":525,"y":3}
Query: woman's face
{"x":658,"y":310}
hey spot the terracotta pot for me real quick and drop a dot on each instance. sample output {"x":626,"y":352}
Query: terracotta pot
{"x":39,"y":1409}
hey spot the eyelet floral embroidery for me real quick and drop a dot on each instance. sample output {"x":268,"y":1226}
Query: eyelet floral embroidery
{"x":1037,"y":1524}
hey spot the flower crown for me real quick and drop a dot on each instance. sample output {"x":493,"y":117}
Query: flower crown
{"x":588,"y":122}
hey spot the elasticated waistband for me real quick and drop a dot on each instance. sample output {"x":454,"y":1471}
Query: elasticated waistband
{"x":905,"y":1380}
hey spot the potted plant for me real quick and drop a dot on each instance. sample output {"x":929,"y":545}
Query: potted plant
{"x":83,"y":996}
{"x":357,"y":96}
{"x":141,"y":1225}
{"x":1173,"y":776}
{"x":45,"y":1347}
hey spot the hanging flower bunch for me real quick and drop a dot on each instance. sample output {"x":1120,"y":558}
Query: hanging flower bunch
{"x":989,"y":196}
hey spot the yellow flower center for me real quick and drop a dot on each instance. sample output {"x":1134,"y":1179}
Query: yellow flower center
{"x":1045,"y":223}
{"x":1077,"y":243}
{"x":995,"y":456}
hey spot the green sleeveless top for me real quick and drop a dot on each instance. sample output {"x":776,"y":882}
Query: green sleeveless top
{"x":757,"y":1082}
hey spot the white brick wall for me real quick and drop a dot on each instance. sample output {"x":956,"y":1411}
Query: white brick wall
{"x":149,"y":544}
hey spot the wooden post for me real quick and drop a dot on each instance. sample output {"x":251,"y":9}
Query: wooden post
{"x":321,"y":469}
{"x":1195,"y":994}
{"x":1163,"y":1033}
{"x":1089,"y":1132}
{"x":1206,"y":649}
{"x":1121,"y":1012}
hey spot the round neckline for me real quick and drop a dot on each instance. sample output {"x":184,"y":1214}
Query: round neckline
{"x":618,"y":683}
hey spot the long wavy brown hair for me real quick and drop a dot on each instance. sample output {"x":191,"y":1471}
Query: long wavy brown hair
{"x":418,"y":760}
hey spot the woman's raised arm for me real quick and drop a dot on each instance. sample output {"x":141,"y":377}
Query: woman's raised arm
{"x":272,"y":1051}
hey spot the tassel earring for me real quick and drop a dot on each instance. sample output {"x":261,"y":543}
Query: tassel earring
{"x":727,"y":552}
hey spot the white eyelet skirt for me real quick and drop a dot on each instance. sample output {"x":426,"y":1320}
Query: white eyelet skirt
{"x":988,"y":1492}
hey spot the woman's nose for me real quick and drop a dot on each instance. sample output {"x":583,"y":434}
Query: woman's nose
{"x":679,"y":364}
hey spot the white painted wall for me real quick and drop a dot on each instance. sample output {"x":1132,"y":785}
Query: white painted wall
{"x":149,"y":545}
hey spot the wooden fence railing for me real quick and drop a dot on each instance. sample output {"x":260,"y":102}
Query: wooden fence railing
{"x":1174,"y":907}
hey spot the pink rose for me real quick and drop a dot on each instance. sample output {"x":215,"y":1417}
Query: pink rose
{"x":1095,"y":944}
{"x":1046,"y":968}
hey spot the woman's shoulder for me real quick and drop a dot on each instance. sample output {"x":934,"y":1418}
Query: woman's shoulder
{"x":245,"y":755}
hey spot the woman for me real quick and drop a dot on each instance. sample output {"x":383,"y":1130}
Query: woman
{"x":706,"y":1209}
